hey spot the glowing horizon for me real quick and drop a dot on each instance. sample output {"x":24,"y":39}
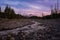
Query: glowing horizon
{"x":27,"y":7}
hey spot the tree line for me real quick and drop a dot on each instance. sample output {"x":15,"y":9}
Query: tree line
{"x":9,"y":13}
{"x":52,"y":16}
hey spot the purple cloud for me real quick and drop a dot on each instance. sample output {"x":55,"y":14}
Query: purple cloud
{"x":27,"y":7}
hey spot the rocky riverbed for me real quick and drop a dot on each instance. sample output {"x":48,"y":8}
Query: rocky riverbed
{"x":39,"y":30}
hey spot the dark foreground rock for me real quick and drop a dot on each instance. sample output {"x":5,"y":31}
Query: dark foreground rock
{"x":46,"y":34}
{"x":50,"y":31}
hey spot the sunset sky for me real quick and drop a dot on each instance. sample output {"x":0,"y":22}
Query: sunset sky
{"x":27,"y":7}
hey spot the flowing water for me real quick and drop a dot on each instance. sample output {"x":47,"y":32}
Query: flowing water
{"x":28,"y":28}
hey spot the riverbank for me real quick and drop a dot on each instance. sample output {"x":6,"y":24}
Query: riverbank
{"x":39,"y":30}
{"x":8,"y":24}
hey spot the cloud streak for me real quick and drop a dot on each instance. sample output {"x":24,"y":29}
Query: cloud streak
{"x":26,"y":7}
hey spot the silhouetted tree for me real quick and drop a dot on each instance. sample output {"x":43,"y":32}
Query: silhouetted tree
{"x":10,"y":13}
{"x":6,"y":9}
{"x":0,"y":9}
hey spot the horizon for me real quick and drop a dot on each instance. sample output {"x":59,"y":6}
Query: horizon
{"x":29,"y":7}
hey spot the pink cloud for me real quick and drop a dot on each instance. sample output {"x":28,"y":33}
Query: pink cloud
{"x":33,"y":9}
{"x":30,"y":11}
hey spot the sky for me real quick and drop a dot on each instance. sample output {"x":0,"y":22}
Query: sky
{"x":29,"y":7}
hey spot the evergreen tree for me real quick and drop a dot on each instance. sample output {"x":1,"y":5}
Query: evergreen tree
{"x":6,"y":9}
{"x":0,"y":9}
{"x":12,"y":11}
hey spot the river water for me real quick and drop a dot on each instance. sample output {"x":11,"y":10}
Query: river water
{"x":29,"y":28}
